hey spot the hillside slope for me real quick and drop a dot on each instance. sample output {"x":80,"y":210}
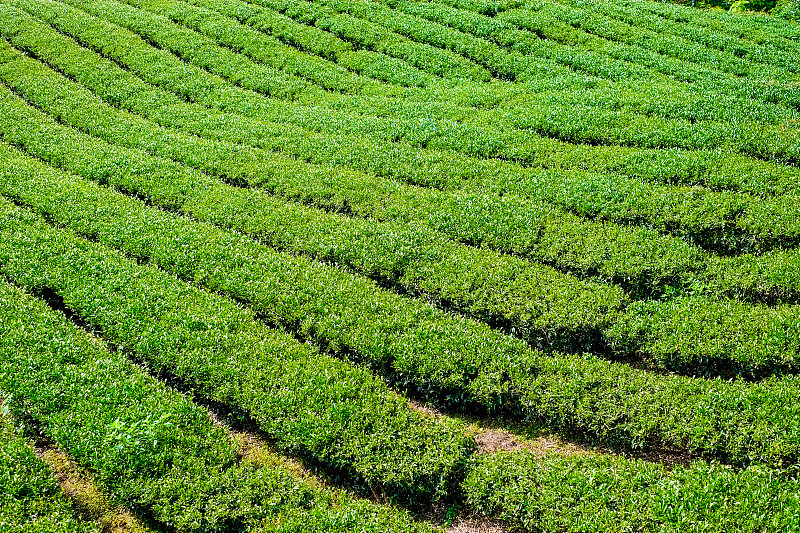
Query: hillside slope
{"x":525,"y":264}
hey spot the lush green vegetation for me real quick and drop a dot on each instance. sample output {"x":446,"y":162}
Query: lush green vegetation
{"x":29,"y":497}
{"x":150,"y":446}
{"x":554,"y":493}
{"x":565,"y":216}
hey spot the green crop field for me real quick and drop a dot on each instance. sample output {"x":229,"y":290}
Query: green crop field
{"x":399,"y":266}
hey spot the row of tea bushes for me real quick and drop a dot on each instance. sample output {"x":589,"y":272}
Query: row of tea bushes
{"x":148,"y":446}
{"x":596,"y":494}
{"x":30,"y":500}
{"x":314,"y":405}
{"x":506,"y":376}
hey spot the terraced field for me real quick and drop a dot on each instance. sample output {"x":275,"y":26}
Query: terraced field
{"x":398,"y":266}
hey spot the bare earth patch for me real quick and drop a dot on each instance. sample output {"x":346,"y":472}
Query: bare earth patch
{"x":476,"y":526}
{"x":494,"y":440}
{"x":667,"y":457}
{"x":438,"y":516}
{"x":424,"y":409}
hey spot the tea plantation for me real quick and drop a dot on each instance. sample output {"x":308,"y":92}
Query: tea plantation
{"x":399,"y":266}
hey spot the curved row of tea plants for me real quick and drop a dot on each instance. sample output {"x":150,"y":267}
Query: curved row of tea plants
{"x":493,"y":484}
{"x":526,"y":383}
{"x":454,"y":136}
{"x":424,"y":264}
{"x":679,"y":106}
{"x":412,"y":25}
{"x":596,"y":19}
{"x":226,"y":355}
{"x":770,"y":30}
{"x":546,"y":52}
{"x":672,"y":101}
{"x":599,"y":494}
{"x":398,"y":161}
{"x":575,"y":123}
{"x":551,"y":20}
{"x":463,"y":216}
{"x":30,"y":499}
{"x":771,"y":52}
{"x":547,"y":214}
{"x":148,"y":446}
{"x":476,"y":280}
{"x":388,"y":59}
{"x":711,"y":217}
{"x":502,"y":306}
